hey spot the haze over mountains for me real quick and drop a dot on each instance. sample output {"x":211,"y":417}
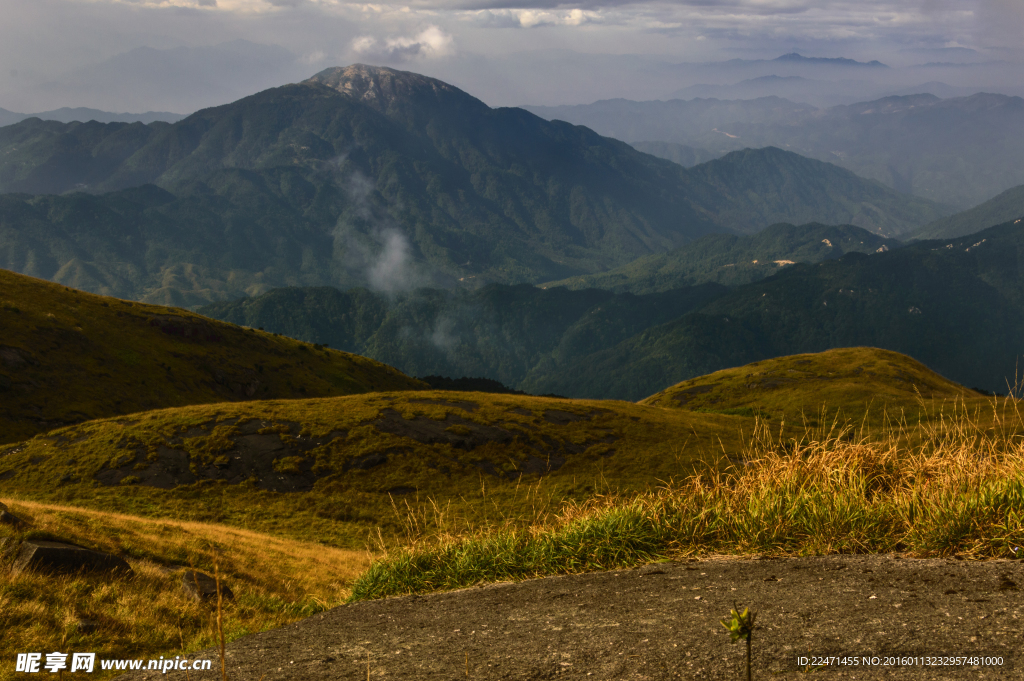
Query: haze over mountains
{"x":961,"y":151}
{"x":370,"y":176}
{"x":181,"y":78}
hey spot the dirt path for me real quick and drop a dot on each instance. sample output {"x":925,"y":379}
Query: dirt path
{"x":662,"y":622}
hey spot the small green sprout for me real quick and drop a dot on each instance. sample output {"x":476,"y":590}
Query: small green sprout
{"x":741,"y":626}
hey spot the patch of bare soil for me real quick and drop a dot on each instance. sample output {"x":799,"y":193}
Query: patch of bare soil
{"x":662,"y":622}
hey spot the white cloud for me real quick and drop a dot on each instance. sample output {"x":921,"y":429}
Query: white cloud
{"x":428,"y":43}
{"x":532,"y":18}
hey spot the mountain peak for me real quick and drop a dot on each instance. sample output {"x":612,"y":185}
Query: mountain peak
{"x":386,"y":89}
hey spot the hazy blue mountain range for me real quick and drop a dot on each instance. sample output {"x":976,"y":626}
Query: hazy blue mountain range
{"x":1007,"y":207}
{"x":682,"y":154}
{"x":956,"y":305}
{"x":680,"y":121}
{"x":960,"y":151}
{"x":795,"y":57}
{"x":84,"y":115}
{"x":183,"y":78}
{"x":370,"y":176}
{"x":820,"y":93}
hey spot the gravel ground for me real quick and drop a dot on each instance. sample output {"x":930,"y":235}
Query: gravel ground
{"x":662,"y":622}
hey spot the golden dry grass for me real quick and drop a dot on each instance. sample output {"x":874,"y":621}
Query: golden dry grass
{"x":953,"y":485}
{"x":274,"y":580}
{"x":361,"y":449}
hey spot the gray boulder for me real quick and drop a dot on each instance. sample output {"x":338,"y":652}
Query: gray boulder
{"x":203,"y":587}
{"x":50,"y":556}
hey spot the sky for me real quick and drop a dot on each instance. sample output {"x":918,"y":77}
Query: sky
{"x":180,"y":55}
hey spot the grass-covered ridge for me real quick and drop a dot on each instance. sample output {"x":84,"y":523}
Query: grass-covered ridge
{"x":333,"y":468}
{"x":948,"y":487}
{"x":852,"y":382}
{"x":275,"y":581}
{"x":68,"y":356}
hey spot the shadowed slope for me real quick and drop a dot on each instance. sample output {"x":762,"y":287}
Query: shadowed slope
{"x":68,"y":356}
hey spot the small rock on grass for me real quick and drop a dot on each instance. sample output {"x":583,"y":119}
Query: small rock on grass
{"x":86,"y":626}
{"x":51,"y":556}
{"x":11,"y":519}
{"x":203,"y":587}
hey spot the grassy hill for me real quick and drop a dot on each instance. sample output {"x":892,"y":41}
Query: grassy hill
{"x":1007,"y":207}
{"x":68,"y":356}
{"x":332,"y":469}
{"x":732,"y":260}
{"x":850,"y":382}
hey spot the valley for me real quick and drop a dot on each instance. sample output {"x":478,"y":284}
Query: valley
{"x":719,"y":302}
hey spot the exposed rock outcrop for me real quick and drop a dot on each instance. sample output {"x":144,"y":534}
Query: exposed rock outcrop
{"x":51,"y":556}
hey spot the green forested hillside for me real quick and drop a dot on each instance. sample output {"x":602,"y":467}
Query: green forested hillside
{"x":498,"y":332}
{"x":1007,"y":207}
{"x":753,"y":188}
{"x":957,"y":306}
{"x":732,"y":260}
{"x":370,"y":176}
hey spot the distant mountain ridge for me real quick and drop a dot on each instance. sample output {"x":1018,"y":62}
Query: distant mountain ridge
{"x":84,"y":115}
{"x":832,"y":61}
{"x":371,"y":176}
{"x":960,"y":151}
